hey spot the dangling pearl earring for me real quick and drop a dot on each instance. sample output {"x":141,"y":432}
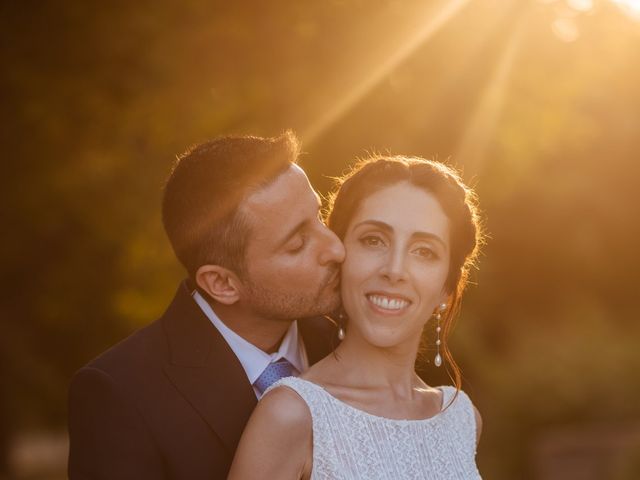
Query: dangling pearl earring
{"x":441,"y":309}
{"x":341,"y":317}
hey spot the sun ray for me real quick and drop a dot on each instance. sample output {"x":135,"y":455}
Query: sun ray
{"x":477,"y":135}
{"x":344,"y":104}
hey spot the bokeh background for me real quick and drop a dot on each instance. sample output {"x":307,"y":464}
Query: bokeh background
{"x":537,"y":102}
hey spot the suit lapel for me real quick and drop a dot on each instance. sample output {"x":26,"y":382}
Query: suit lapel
{"x":206,"y":371}
{"x":208,"y":374}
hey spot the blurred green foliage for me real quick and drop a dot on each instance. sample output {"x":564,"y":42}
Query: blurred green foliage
{"x":98,"y":98}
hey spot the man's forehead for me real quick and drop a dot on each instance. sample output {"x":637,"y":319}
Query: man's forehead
{"x":290,"y":185}
{"x":300,"y":170}
{"x":281,"y":209}
{"x":288,"y":193}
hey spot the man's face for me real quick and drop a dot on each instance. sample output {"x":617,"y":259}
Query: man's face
{"x":292,"y":258}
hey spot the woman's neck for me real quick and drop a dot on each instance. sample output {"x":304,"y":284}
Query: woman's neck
{"x":370,"y":366}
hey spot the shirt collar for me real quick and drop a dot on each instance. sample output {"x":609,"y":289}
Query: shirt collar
{"x":254,"y":360}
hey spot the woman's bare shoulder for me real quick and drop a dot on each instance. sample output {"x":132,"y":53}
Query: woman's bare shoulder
{"x":264,"y":448}
{"x":285,"y":402}
{"x":478,"y":424}
{"x":284,"y":407}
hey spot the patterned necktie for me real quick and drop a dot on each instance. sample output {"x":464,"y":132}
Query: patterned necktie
{"x":274,"y":372}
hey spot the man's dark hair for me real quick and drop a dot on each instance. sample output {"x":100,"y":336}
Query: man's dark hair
{"x":202,"y":196}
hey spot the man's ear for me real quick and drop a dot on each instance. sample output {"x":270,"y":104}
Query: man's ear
{"x":220,"y":283}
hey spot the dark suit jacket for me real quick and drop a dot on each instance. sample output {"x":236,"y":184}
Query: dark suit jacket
{"x":169,"y":402}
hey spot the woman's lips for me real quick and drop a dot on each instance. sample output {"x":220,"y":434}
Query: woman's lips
{"x":388,"y":304}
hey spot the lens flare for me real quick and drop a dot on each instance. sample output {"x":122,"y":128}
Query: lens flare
{"x":565,"y":29}
{"x":580,"y":5}
{"x":630,"y":7}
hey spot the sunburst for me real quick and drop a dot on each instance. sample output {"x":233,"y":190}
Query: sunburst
{"x":357,"y":92}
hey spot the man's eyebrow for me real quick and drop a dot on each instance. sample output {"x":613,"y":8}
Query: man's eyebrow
{"x":416,"y":235}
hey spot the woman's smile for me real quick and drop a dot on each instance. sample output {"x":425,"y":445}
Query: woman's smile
{"x":388,"y":304}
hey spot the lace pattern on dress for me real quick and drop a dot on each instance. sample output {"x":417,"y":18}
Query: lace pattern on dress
{"x":350,"y":444}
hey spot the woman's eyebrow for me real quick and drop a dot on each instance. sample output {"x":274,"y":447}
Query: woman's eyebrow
{"x":429,"y":236}
{"x":375,"y":223}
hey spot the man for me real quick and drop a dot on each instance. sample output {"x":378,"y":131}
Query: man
{"x":171,"y":401}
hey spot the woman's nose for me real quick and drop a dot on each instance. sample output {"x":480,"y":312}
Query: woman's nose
{"x":393,"y":268}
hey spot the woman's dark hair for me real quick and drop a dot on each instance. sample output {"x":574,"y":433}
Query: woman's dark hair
{"x":457,"y":200}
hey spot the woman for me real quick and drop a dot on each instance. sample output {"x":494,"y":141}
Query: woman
{"x":411,"y":231}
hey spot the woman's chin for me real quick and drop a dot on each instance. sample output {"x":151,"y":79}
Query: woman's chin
{"x":384,"y":338}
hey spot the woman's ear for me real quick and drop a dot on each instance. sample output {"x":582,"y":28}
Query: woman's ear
{"x":220,"y":283}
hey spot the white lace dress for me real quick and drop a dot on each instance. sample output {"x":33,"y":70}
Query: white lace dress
{"x":351,"y":444}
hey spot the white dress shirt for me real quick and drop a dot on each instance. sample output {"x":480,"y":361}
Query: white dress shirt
{"x":252,"y":359}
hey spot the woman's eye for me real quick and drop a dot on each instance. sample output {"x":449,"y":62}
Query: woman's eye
{"x":425,"y":252}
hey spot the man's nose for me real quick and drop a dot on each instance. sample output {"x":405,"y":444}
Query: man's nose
{"x":333,"y":249}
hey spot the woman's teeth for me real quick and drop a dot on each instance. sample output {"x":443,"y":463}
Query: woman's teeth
{"x":387,"y":303}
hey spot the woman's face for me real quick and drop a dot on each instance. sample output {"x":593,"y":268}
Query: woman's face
{"x":396,"y":265}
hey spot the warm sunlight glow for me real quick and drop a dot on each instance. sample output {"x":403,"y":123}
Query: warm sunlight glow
{"x":385,"y":67}
{"x":565,"y":29}
{"x":630,"y":7}
{"x":480,"y":130}
{"x":580,"y":5}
